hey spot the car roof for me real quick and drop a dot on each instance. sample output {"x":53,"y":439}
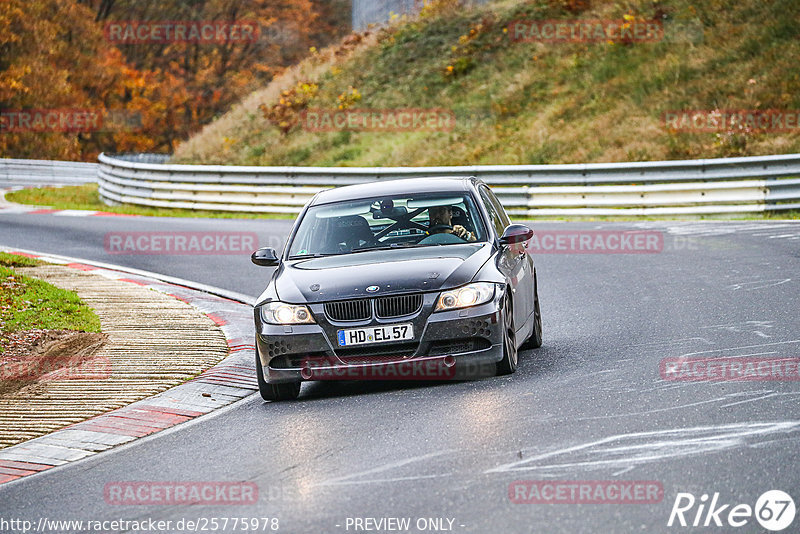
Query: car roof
{"x":432,"y":184}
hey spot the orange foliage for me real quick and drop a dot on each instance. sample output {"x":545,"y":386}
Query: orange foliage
{"x":286,"y":113}
{"x":54,"y":55}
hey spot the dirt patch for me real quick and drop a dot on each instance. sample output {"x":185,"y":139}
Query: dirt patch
{"x":35,"y":356}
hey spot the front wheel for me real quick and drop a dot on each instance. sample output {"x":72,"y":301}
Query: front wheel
{"x":535,"y":341}
{"x":275,"y":392}
{"x":508,"y":364}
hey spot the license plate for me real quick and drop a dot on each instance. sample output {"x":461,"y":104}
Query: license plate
{"x":375,"y":334}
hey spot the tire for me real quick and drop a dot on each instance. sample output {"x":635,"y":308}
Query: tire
{"x":275,"y":392}
{"x":510,"y":361}
{"x":535,"y":339}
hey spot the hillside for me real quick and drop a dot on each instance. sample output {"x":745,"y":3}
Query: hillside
{"x":530,"y":102}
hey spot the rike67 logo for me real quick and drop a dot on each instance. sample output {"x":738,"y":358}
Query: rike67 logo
{"x":774,"y":510}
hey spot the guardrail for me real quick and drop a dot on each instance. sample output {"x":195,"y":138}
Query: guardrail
{"x":36,"y":172}
{"x":711,"y":186}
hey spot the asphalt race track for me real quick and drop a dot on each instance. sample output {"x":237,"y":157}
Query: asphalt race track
{"x":590,"y":405}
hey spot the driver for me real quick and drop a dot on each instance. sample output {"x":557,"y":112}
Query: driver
{"x":442,"y":216}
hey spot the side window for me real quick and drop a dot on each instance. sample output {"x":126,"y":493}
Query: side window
{"x":500,"y":210}
{"x":496,"y":219}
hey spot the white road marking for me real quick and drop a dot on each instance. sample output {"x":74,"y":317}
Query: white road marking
{"x":750,"y":400}
{"x":380,"y":469}
{"x":657,"y":410}
{"x":759,"y":284}
{"x":742,"y":347}
{"x":667,"y":444}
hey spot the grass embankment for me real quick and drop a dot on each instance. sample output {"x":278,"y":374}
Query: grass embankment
{"x":27,"y":303}
{"x":532,"y":103}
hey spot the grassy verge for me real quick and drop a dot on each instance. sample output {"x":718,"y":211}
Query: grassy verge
{"x":15,"y":260}
{"x":85,"y":197}
{"x":27,"y":303}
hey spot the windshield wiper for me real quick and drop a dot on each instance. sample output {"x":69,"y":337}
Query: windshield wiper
{"x":393,"y":246}
{"x":316,"y":255}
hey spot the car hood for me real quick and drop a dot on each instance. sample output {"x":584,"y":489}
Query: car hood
{"x":347,"y":276}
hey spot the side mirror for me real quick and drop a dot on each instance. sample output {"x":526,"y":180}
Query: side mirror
{"x":265,"y":257}
{"x":516,"y":233}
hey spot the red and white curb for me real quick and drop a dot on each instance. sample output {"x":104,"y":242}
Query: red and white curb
{"x":229,"y":381}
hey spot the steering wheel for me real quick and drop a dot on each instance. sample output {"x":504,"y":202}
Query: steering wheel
{"x":368,"y":243}
{"x":442,"y":239}
{"x":437,"y":227}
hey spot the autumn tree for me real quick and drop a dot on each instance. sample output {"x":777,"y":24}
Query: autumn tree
{"x":216,"y":75}
{"x":54,"y":54}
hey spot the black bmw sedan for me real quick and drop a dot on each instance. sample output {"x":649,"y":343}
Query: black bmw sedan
{"x":414,"y":279}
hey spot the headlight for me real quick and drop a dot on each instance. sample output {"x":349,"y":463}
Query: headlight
{"x":282,"y":313}
{"x":464,"y":297}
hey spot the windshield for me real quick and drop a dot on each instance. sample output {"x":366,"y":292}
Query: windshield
{"x":418,"y":220}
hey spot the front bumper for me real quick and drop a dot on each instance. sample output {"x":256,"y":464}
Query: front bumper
{"x":457,"y":344}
